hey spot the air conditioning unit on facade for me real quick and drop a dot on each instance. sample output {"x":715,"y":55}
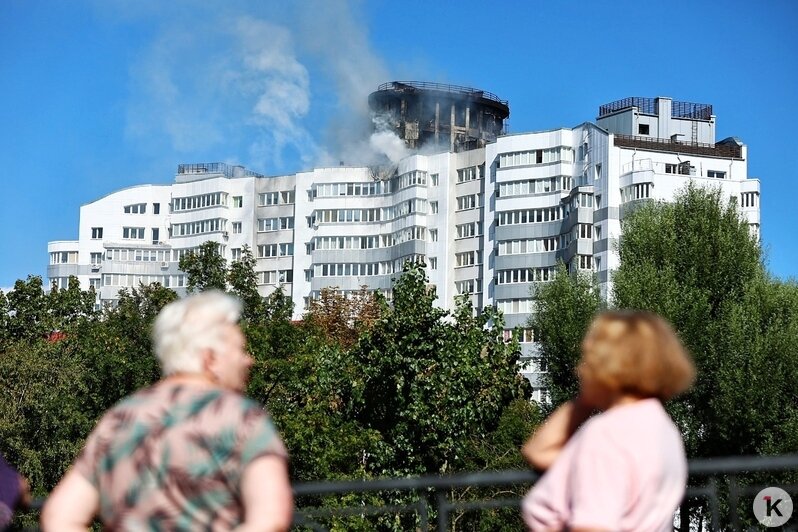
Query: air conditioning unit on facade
{"x":225,"y":234}
{"x":95,"y":267}
{"x":164,"y":264}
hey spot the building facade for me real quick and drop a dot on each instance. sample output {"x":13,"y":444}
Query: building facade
{"x":490,"y":222}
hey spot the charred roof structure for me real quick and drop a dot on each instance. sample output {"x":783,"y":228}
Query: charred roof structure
{"x":453,"y":117}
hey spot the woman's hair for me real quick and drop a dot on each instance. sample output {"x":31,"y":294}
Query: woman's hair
{"x":187,"y":327}
{"x":637,"y":353}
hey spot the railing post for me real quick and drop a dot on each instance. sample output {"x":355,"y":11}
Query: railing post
{"x":443,"y":511}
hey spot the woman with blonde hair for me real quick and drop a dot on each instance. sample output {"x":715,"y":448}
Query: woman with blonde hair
{"x":625,"y":468}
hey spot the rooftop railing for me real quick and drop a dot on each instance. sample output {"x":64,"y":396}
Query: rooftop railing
{"x":227,"y":170}
{"x":732,"y":151}
{"x":648,"y":106}
{"x":444,"y":87}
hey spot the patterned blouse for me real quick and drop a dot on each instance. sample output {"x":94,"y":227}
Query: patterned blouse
{"x":171,"y":457}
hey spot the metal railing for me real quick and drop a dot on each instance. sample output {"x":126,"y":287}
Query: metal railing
{"x":733,"y":151}
{"x":648,"y":106}
{"x":444,"y":87}
{"x":228,"y":170}
{"x":719,"y":496}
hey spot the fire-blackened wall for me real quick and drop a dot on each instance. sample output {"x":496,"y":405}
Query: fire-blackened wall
{"x":453,"y":117}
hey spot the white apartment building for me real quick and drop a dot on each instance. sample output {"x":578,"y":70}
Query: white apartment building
{"x":491,"y":222}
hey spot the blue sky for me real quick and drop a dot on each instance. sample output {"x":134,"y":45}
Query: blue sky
{"x":100,"y":95}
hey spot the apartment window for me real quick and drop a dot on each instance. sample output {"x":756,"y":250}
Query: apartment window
{"x":137,"y":208}
{"x":749,"y":199}
{"x":156,"y":235}
{"x":642,"y":129}
{"x":527,"y":336}
{"x":670,"y":168}
{"x":156,"y":208}
{"x":94,"y":282}
{"x":466,"y":174}
{"x":433,"y":263}
{"x":433,"y":235}
{"x":716,"y":174}
{"x":268,"y":277}
{"x":285,"y":276}
{"x":287,"y":222}
{"x":467,"y":202}
{"x":287,"y":197}
{"x":236,"y":227}
{"x":286,"y":250}
{"x":267,"y":251}
{"x":433,"y":207}
{"x":133,"y":233}
{"x":269,"y":198}
{"x":236,"y":253}
{"x":96,"y":233}
{"x":434,"y":179}
{"x":268,"y":224}
{"x":238,"y":201}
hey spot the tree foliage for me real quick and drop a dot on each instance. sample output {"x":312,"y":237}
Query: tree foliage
{"x":205,"y":268}
{"x":565,"y":308}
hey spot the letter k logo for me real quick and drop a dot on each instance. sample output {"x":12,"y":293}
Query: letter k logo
{"x":772,"y":506}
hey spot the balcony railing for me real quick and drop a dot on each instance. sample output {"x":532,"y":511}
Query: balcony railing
{"x":225,"y":169}
{"x":648,"y":106}
{"x":719,"y":496}
{"x":732,"y":151}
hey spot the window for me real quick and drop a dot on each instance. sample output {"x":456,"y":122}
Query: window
{"x":137,"y":208}
{"x":236,"y":227}
{"x":268,"y":224}
{"x":749,"y":199}
{"x":466,"y":174}
{"x":236,"y":253}
{"x":716,"y":174}
{"x":287,"y":222}
{"x":549,"y":155}
{"x":471,"y":286}
{"x":202,"y":201}
{"x":469,"y":230}
{"x":467,"y":202}
{"x":96,"y":233}
{"x":285,"y":276}
{"x":433,"y":235}
{"x":267,"y":251}
{"x":238,"y":201}
{"x":433,"y":207}
{"x":268,"y":277}
{"x":642,"y":129}
{"x":133,"y":233}
{"x":96,"y":258}
{"x":527,"y":336}
{"x":156,"y":208}
{"x":433,"y":263}
{"x":94,"y":282}
{"x":636,"y":192}
{"x":434,"y":179}
{"x":287,"y":197}
{"x":156,"y":235}
{"x":269,"y":198}
{"x":468,"y":258}
{"x":286,"y":250}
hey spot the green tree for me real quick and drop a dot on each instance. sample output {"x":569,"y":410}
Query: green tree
{"x":243,"y":282}
{"x":565,"y":308}
{"x":205,"y":268}
{"x":428,"y":381}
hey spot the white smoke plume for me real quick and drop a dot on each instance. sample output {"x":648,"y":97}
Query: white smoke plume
{"x":241,"y":78}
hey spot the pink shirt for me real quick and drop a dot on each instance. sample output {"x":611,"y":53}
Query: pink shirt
{"x":624,"y":469}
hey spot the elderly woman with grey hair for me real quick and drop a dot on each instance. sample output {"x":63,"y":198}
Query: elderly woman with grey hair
{"x":190,"y":452}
